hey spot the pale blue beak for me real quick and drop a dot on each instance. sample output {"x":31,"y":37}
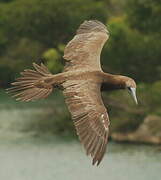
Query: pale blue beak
{"x":133,"y":93}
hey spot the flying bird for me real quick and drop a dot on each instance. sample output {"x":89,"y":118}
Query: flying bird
{"x":81,"y":82}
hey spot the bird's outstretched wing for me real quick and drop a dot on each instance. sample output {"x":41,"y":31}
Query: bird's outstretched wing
{"x":90,"y":117}
{"x":83,"y":51}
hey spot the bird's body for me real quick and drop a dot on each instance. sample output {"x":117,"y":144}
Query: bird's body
{"x":81,"y":82}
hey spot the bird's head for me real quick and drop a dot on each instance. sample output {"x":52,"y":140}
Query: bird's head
{"x":130,"y":85}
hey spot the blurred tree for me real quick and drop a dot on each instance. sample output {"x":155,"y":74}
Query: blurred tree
{"x":6,"y":1}
{"x":6,"y":75}
{"x":53,"y":57}
{"x":115,"y":7}
{"x":18,"y":57}
{"x":132,"y":53}
{"x":144,"y":15}
{"x":40,"y":27}
{"x":28,"y":28}
{"x":48,"y":21}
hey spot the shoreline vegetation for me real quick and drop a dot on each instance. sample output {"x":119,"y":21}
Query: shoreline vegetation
{"x":50,"y":116}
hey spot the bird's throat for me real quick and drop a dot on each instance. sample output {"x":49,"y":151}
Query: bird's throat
{"x":112,"y":82}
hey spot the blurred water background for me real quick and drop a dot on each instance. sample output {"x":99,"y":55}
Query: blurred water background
{"x":62,"y":158}
{"x":32,"y":148}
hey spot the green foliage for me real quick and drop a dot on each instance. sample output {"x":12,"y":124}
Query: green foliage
{"x":30,"y":28}
{"x":48,"y":21}
{"x":132,"y":53}
{"x":17,"y":58}
{"x":151,"y":97}
{"x":51,"y":23}
{"x":53,"y":57}
{"x":144,"y":15}
{"x":5,"y":1}
{"x":6,"y":75}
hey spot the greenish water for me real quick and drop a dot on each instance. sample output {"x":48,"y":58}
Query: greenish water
{"x":29,"y":150}
{"x":51,"y":158}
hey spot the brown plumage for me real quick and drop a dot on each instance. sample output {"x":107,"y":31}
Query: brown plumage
{"x":81,"y":83}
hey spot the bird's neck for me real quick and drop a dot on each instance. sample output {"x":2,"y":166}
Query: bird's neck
{"x":112,"y":82}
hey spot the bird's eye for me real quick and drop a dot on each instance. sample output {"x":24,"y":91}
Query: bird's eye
{"x":129,"y":88}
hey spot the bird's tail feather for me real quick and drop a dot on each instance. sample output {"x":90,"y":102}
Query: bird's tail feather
{"x":31,"y":86}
